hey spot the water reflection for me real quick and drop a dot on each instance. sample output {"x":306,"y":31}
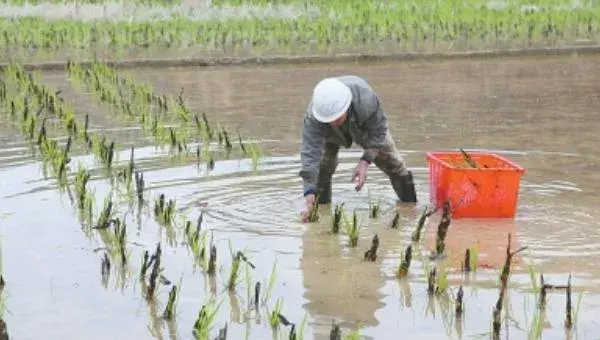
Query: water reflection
{"x":344,"y":288}
{"x":485,"y":238}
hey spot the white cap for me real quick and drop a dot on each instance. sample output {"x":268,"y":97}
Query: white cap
{"x":331,"y":98}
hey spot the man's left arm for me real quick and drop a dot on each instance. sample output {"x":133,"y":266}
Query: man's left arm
{"x":375,"y":126}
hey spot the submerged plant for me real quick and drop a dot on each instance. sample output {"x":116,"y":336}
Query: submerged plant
{"x":443,"y":230}
{"x":459,"y":305}
{"x":371,"y":253}
{"x":313,"y":214}
{"x":374,"y":209}
{"x":416,"y":235}
{"x":431,"y":275}
{"x":467,"y":261}
{"x":105,"y":270}
{"x":335,"y":333}
{"x":568,"y":306}
{"x":405,"y":262}
{"x":395,"y":220}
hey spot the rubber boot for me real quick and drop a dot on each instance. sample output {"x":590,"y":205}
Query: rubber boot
{"x":404,"y":187}
{"x":324,"y":192}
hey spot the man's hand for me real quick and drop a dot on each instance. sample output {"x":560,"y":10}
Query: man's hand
{"x":309,"y":202}
{"x":360,"y":174}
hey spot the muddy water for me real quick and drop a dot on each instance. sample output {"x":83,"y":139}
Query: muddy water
{"x":541,"y":113}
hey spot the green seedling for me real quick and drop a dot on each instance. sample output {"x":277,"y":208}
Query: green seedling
{"x":355,"y":335}
{"x":43,"y":133}
{"x":504,"y":276}
{"x":442,"y":280}
{"x":105,"y":215}
{"x":474,"y":257}
{"x":286,"y":323}
{"x":119,"y":239}
{"x":537,"y":326}
{"x":164,"y":212}
{"x":270,"y":283}
{"x":196,"y":240}
{"x":242,"y":145}
{"x":235,"y":266}
{"x":228,"y":145}
{"x":139,"y":187}
{"x":81,"y":180}
{"x":205,"y":320}
{"x":169,"y":311}
{"x":125,"y":175}
{"x":84,"y":133}
{"x":405,"y":262}
{"x":212,"y":261}
{"x":337,"y":218}
{"x":146,"y":263}
{"x":104,"y":150}
{"x":274,"y":319}
{"x":256,"y":153}
{"x":248,"y":280}
{"x":208,"y":130}
{"x":371,"y":253}
{"x":156,"y":269}
{"x":353,"y":229}
{"x":84,"y":197}
{"x":420,"y":28}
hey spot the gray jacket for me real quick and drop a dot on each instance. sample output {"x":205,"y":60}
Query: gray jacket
{"x":367,"y":126}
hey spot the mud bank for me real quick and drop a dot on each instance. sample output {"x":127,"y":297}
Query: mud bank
{"x":316,"y":59}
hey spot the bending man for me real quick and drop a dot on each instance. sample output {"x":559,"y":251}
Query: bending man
{"x":344,"y":110}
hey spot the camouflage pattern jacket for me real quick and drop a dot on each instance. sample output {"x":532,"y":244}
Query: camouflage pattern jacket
{"x":367,"y":126}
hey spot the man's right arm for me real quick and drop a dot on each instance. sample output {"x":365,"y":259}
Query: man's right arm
{"x":311,"y":149}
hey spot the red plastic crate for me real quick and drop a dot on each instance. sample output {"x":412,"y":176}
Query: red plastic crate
{"x":489,"y":191}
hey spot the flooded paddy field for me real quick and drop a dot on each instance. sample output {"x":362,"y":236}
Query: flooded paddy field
{"x":163,"y":203}
{"x":539,"y":112}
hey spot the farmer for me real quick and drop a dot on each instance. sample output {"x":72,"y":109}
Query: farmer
{"x":344,"y":110}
